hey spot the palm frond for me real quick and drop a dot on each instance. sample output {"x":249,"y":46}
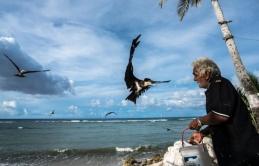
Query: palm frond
{"x":161,"y":3}
{"x":241,"y":93}
{"x":183,"y":6}
{"x":255,"y":81}
{"x":196,"y":3}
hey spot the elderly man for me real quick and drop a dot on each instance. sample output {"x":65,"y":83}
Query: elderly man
{"x":234,"y":137}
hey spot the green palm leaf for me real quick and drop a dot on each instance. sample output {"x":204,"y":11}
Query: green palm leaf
{"x":240,"y":91}
{"x":255,"y":82}
{"x":183,"y":6}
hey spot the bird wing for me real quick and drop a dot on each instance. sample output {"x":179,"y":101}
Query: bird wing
{"x":114,"y":113}
{"x":13,"y":63}
{"x":35,"y":71}
{"x":110,"y":113}
{"x":159,"y":82}
{"x":129,"y":76}
{"x":51,"y":114}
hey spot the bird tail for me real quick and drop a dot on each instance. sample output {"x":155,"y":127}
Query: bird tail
{"x":132,"y":97}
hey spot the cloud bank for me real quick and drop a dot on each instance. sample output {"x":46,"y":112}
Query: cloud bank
{"x":42,"y":83}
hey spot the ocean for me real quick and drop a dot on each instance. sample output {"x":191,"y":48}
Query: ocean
{"x":86,"y":142}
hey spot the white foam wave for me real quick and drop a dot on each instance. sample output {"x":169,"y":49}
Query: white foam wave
{"x":60,"y":151}
{"x":130,"y":149}
{"x":124,"y":149}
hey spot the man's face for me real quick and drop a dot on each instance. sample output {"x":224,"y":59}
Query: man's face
{"x":202,"y":80}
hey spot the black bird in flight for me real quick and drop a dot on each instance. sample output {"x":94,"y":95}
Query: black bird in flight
{"x":108,"y":113}
{"x":52,"y":113}
{"x":21,"y":73}
{"x":137,"y":86}
{"x":167,"y":129}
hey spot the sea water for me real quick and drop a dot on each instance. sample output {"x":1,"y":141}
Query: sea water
{"x":89,"y":142}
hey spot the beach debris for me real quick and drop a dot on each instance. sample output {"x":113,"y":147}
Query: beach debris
{"x":136,"y":86}
{"x":108,"y":113}
{"x":21,"y":73}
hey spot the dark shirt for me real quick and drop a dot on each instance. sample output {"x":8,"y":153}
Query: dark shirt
{"x":235,"y":141}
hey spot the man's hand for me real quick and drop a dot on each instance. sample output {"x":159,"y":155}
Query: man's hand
{"x":195,"y":138}
{"x":194,"y":125}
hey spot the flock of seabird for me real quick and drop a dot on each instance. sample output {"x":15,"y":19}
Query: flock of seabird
{"x":136,"y":86}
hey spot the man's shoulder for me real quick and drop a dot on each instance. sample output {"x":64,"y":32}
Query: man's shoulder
{"x":220,"y":79}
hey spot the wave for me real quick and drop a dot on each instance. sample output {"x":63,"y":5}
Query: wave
{"x":132,"y":149}
{"x":80,"y":152}
{"x":100,"y":120}
{"x":104,"y":121}
{"x":102,"y":157}
{"x":7,"y":121}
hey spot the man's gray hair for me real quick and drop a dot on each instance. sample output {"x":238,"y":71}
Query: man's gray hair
{"x":204,"y":65}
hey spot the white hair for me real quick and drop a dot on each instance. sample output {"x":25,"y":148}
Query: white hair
{"x":204,"y":65}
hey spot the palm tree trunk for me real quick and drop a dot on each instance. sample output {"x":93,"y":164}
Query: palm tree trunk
{"x":242,"y":74}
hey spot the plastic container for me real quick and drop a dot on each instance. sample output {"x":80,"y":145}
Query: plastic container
{"x":196,"y":155}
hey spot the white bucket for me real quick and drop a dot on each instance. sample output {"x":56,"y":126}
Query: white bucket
{"x":195,"y":155}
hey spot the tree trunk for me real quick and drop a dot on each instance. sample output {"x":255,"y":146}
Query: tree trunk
{"x":241,"y":72}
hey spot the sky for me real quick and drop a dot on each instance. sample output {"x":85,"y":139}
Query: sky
{"x":86,"y":44}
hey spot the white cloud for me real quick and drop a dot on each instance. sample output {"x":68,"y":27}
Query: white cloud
{"x":34,"y":83}
{"x":184,"y":80}
{"x":74,"y":110}
{"x":109,"y":103}
{"x":88,"y":55}
{"x":8,"y":108}
{"x":95,"y":102}
{"x":72,"y":107}
{"x":25,"y":112}
{"x":124,"y":102}
{"x":11,"y":104}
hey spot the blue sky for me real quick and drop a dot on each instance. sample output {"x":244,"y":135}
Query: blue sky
{"x":86,"y":46}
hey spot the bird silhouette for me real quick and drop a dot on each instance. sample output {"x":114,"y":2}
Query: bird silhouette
{"x":108,"y":113}
{"x":137,"y":86}
{"x":52,"y":113}
{"x":21,"y":73}
{"x":167,"y":129}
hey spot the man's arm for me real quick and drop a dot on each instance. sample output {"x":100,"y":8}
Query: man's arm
{"x":209,"y":119}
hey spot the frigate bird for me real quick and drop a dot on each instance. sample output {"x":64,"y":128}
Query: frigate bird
{"x":108,"y":113}
{"x":137,"y":86}
{"x":21,"y":73}
{"x":53,"y":112}
{"x":167,"y":129}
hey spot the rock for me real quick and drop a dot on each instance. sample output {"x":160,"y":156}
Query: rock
{"x":144,"y":162}
{"x":156,"y":158}
{"x":130,"y":162}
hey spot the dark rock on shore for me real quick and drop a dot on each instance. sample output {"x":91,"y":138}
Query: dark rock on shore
{"x":132,"y":162}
